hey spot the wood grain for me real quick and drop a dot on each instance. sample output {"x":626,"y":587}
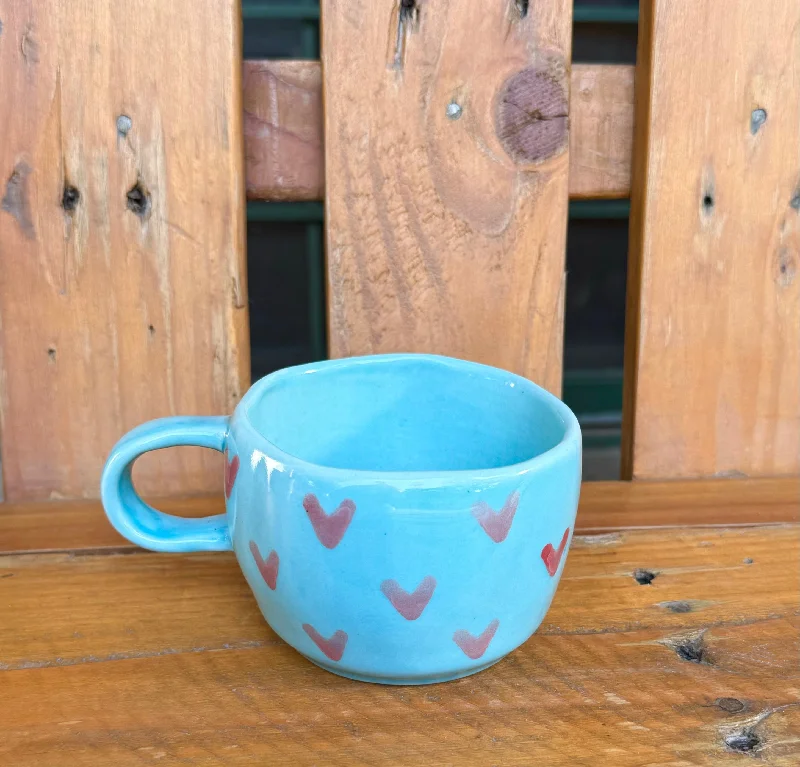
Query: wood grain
{"x":284,"y":137}
{"x":712,"y":369}
{"x":447,"y":235}
{"x":123,"y":287}
{"x":604,"y":507}
{"x":152,"y":657}
{"x":601,"y":131}
{"x":82,"y":525}
{"x":283,"y":130}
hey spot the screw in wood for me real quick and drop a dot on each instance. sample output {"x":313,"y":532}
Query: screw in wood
{"x":124,"y":125}
{"x":454,"y":110}
{"x":757,"y":118}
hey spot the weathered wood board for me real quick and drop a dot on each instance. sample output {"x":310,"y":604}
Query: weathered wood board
{"x":447,"y":163}
{"x":122,"y":236}
{"x":165,"y":658}
{"x":713,"y":368}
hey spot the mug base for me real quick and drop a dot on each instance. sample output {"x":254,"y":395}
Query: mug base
{"x":399,"y":680}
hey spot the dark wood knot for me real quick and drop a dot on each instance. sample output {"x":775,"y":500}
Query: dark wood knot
{"x":644,"y":577}
{"x":533,"y":113}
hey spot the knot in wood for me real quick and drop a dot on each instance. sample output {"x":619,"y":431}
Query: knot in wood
{"x":532,"y":119}
{"x":731,"y":705}
{"x":138,"y":200}
{"x":644,"y":577}
{"x":70,"y":198}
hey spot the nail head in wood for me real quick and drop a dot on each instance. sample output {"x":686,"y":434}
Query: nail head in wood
{"x":124,"y":125}
{"x":757,"y":118}
{"x":454,"y":110}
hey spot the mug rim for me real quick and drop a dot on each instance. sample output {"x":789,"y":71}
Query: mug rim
{"x":276,"y":456}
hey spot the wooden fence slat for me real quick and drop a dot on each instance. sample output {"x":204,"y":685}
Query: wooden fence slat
{"x":713,"y":369}
{"x":284,"y":141}
{"x":446,"y":180}
{"x":123,"y":286}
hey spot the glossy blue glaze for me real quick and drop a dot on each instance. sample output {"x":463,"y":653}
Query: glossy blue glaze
{"x":141,"y":523}
{"x":400,"y":519}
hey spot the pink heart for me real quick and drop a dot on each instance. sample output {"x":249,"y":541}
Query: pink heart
{"x":231,"y":470}
{"x":410,"y":606}
{"x":552,"y":557}
{"x":496,"y":524}
{"x":330,"y":528}
{"x":268,"y":569}
{"x":475,"y":646}
{"x":333,"y":648}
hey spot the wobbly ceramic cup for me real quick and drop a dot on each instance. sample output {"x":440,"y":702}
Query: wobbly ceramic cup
{"x":400,"y":519}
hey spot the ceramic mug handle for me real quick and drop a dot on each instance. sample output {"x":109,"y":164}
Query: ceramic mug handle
{"x":141,"y":523}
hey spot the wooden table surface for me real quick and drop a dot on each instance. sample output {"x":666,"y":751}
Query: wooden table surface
{"x":110,"y":655}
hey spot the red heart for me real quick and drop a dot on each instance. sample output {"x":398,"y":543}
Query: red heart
{"x":410,"y":606}
{"x":333,"y":648}
{"x":475,"y":646}
{"x":552,"y":557}
{"x":496,"y":524}
{"x":231,"y":470}
{"x":268,"y":569}
{"x":330,"y":528}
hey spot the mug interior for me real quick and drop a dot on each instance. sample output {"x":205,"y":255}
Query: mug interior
{"x":412,"y":413}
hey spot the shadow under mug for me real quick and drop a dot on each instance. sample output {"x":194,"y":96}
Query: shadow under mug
{"x":400,"y":519}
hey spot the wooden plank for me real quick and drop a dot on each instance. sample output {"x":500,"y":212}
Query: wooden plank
{"x":167,"y":593}
{"x":608,"y":506}
{"x":166,"y":657}
{"x":123,"y":287}
{"x":284,"y":137}
{"x":604,"y":507}
{"x":712,"y":370}
{"x":447,"y":233}
{"x":601,"y":131}
{"x":621,"y":698}
{"x":82,"y":525}
{"x":283,"y":130}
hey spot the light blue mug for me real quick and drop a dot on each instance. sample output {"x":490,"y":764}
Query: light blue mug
{"x":400,"y":519}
